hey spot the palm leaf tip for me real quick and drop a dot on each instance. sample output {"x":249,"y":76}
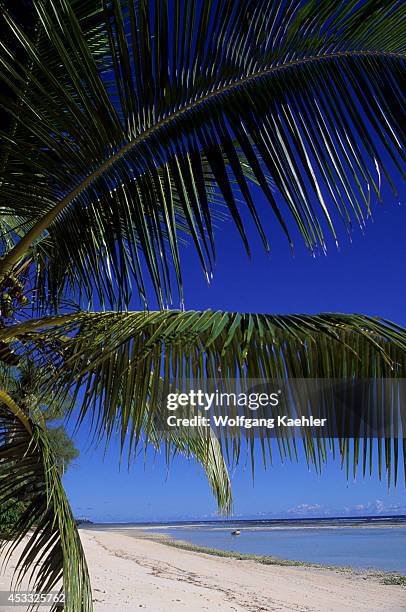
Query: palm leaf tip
{"x":203,"y":445}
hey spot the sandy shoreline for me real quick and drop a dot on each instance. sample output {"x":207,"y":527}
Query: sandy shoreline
{"x":131,"y":573}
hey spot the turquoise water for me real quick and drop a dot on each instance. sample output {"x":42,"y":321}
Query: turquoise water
{"x":366,"y":546}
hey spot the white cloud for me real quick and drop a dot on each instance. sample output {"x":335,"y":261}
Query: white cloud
{"x":308,"y":510}
{"x":376,"y":507}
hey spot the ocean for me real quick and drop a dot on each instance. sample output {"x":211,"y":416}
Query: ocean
{"x":364,"y":543}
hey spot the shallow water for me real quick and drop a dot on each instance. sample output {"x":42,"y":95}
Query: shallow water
{"x":359,"y":542}
{"x":360,"y":547}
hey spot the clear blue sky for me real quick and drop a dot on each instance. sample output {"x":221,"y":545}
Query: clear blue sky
{"x":366,"y":276}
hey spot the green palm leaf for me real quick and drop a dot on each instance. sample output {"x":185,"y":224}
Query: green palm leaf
{"x":119,"y":361}
{"x":138,"y":111}
{"x":52,"y":554}
{"x":25,"y":385}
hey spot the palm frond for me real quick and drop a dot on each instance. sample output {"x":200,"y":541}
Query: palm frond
{"x":52,"y":556}
{"x":26,"y":387}
{"x":117,"y":108}
{"x":118,"y":360}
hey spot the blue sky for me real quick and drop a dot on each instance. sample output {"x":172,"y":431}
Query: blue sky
{"x":365,"y":275}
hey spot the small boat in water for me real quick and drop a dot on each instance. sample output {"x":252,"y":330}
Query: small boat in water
{"x":236,"y":532}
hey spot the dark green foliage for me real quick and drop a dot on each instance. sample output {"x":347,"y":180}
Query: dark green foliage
{"x":10,"y":514}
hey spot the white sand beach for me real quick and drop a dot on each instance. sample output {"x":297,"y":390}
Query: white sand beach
{"x":134,"y":574}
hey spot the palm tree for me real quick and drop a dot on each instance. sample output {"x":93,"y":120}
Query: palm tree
{"x":130,"y":125}
{"x":23,"y":384}
{"x":30,"y":481}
